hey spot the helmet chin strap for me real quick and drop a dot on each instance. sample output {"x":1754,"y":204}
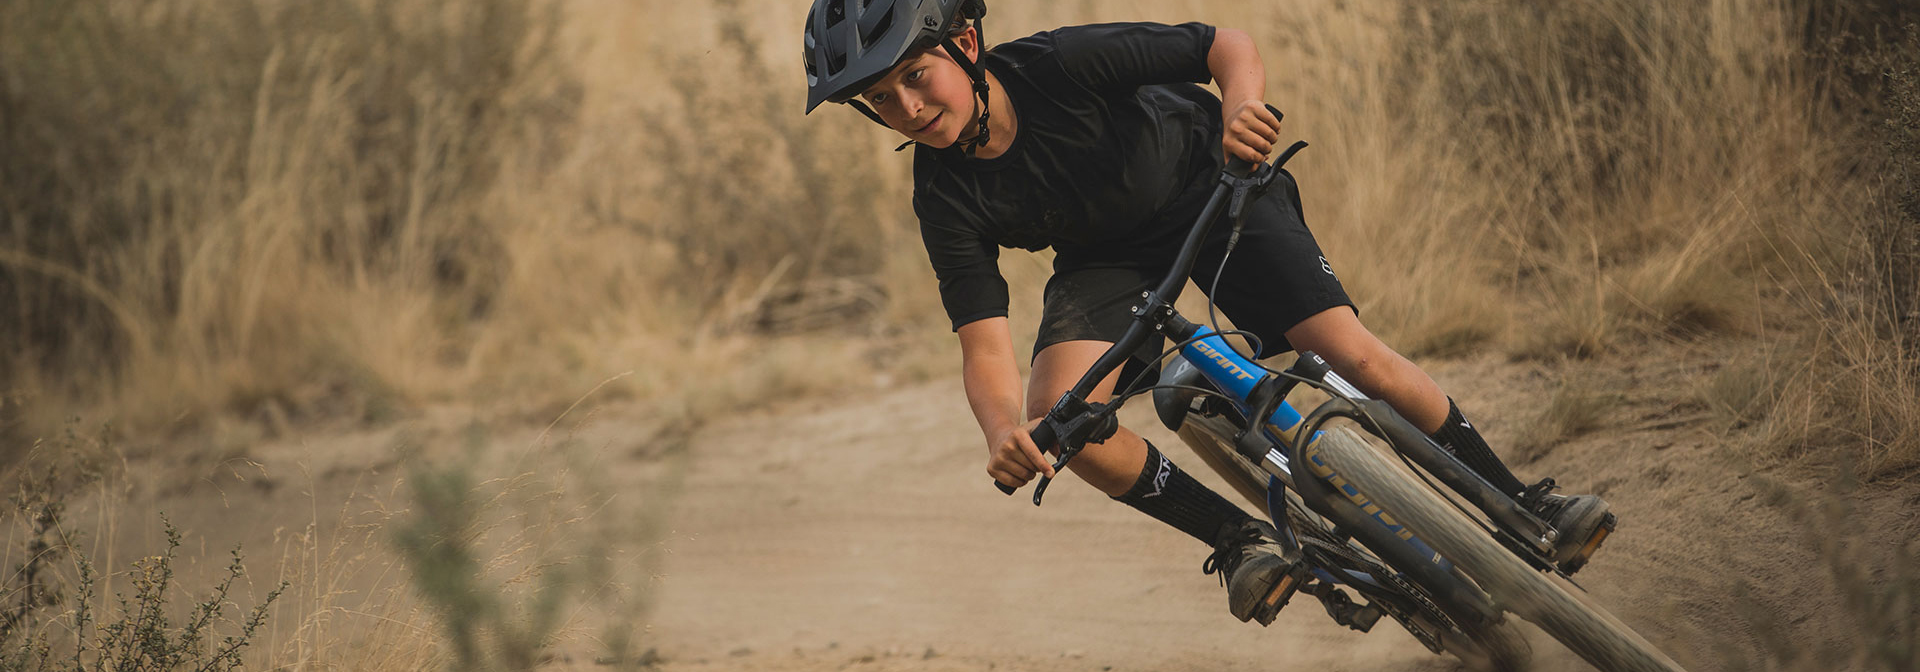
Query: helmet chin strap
{"x":862,"y":107}
{"x":969,"y":145}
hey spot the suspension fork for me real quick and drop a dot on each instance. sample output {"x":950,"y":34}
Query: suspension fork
{"x":1280,"y":440}
{"x":1376,"y":417}
{"x":1272,"y":421}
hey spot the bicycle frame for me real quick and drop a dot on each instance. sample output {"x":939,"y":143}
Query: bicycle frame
{"x":1403,"y":576}
{"x":1258,"y":393}
{"x":1228,"y":370}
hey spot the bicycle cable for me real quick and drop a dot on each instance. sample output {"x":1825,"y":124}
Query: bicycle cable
{"x":1189,"y":388}
{"x":1423,"y":603}
{"x":1325,"y":550}
{"x":1443,"y":492}
{"x":1175,"y":348}
{"x":1397,"y":452}
{"x":1253,"y":340}
{"x":1213,"y":316}
{"x":1132,"y":391}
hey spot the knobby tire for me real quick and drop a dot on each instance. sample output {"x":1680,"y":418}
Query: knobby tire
{"x":1515,"y":586}
{"x":1498,"y":647}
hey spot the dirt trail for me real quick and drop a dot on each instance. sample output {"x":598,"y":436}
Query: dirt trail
{"x":863,"y":532}
{"x":859,"y":533}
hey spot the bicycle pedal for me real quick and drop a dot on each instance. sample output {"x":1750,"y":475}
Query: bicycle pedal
{"x":1282,"y":592}
{"x":1580,"y":557}
{"x":1362,"y":619}
{"x":1343,"y":609}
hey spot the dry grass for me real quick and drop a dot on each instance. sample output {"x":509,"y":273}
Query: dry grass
{"x":1625,"y":172}
{"x":270,"y":213}
{"x":245,"y":206}
{"x":441,"y":569}
{"x":1578,"y":404}
{"x":1847,"y":393}
{"x":360,"y":210}
{"x":1842,"y":382}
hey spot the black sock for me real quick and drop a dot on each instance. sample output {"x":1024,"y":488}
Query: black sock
{"x":1172,"y":497}
{"x":1460,"y":438}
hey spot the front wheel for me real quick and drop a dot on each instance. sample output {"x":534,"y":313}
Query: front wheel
{"x":1495,"y":646}
{"x":1515,"y":586}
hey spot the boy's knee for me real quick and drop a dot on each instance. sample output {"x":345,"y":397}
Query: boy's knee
{"x":1362,"y":366}
{"x":1370,"y":366}
{"x":1359,"y":368}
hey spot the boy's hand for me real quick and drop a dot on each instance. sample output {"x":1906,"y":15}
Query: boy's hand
{"x":1013,"y":459}
{"x":1250,"y":132}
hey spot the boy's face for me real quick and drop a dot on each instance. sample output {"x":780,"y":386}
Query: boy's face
{"x":928,"y":97}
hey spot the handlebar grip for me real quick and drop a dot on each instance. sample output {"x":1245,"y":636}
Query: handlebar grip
{"x":1043,"y":438}
{"x":1238,"y":167}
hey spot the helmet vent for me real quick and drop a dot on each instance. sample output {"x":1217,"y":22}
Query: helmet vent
{"x":878,"y":31}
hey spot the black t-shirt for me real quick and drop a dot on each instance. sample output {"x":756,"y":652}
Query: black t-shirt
{"x":1115,"y":152}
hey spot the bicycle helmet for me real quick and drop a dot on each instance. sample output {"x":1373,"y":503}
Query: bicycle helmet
{"x":850,"y":44}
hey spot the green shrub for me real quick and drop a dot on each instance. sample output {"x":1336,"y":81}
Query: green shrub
{"x":138,"y":634}
{"x":484,"y":629}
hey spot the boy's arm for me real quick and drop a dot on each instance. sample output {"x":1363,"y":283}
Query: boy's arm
{"x":993,"y":390}
{"x":1250,"y":130}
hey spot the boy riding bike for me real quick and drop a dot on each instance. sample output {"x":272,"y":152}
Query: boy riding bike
{"x":1096,"y":141}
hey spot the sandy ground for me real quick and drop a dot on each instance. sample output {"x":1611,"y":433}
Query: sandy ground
{"x":867,"y":531}
{"x":859,"y":532}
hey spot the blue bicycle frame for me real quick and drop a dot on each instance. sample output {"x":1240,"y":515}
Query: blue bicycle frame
{"x":1233,"y":374}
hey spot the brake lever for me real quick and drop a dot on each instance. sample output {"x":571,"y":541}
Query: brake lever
{"x":1084,"y":423}
{"x":1094,"y":423}
{"x":1257,"y":177}
{"x":1044,"y":435}
{"x":1253,"y":185}
{"x":1040,"y":489}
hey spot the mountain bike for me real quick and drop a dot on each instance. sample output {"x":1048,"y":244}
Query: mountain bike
{"x":1350,"y":520}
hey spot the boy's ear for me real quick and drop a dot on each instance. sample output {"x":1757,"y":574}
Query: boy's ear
{"x":968,"y":41}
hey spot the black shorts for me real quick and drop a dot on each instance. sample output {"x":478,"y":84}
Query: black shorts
{"x":1276,"y":278}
